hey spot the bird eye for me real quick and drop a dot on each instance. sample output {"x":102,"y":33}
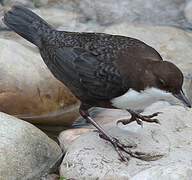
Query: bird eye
{"x":162,"y":82}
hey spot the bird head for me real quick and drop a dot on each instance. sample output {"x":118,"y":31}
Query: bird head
{"x":169,"y":78}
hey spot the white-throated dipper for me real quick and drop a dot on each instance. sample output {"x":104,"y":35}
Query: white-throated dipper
{"x":102,"y":70}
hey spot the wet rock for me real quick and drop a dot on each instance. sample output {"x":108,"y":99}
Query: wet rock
{"x":29,"y":90}
{"x":25,"y":151}
{"x":92,"y":157}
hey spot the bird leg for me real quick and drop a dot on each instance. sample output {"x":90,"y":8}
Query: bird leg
{"x":139,"y":118}
{"x":119,"y":147}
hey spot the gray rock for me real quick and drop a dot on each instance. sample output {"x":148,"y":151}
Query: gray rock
{"x":25,"y":151}
{"x":26,"y":3}
{"x":188,"y":84}
{"x":167,"y":12}
{"x":90,"y":157}
{"x":172,"y":43}
{"x":172,"y":171}
{"x":65,"y":19}
{"x":188,"y":11}
{"x":39,"y":3}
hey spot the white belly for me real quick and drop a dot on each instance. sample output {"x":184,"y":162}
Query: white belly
{"x":135,"y":100}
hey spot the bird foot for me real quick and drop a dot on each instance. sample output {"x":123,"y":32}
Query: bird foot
{"x":119,"y":147}
{"x":140,"y":118}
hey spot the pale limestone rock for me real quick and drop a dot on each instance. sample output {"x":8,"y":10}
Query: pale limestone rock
{"x":188,"y":11}
{"x":67,"y":137}
{"x":65,"y":20}
{"x":25,"y":152}
{"x":90,"y":157}
{"x":18,"y":2}
{"x":158,"y":12}
{"x":172,"y":171}
{"x":173,"y":44}
{"x":39,"y":3}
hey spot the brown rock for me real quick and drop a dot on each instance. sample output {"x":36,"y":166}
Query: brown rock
{"x":29,"y":90}
{"x":67,"y":137}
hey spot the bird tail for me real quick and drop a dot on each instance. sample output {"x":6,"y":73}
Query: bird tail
{"x":27,"y":24}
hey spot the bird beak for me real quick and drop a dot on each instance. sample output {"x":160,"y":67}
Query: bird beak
{"x":181,"y":96}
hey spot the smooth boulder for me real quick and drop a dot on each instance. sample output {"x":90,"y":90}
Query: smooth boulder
{"x":92,"y":157}
{"x":29,"y":90}
{"x":106,"y":12}
{"x":25,"y":152}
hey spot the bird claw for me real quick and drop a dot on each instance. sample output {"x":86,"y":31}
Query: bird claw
{"x":123,"y":121}
{"x":147,"y":156}
{"x":140,"y":118}
{"x":139,"y":122}
{"x":153,"y":115}
{"x":119,"y":147}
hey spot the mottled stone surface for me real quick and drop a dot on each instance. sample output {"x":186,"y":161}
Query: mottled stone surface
{"x":157,"y":12}
{"x":188,"y":11}
{"x":25,"y":151}
{"x":91,"y":157}
{"x":171,"y":171}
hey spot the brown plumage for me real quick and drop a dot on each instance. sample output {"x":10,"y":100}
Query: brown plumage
{"x":99,"y":68}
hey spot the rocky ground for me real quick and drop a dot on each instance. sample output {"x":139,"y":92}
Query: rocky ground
{"x":30,"y":92}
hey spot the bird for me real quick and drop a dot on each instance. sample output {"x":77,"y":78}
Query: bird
{"x":103,"y":70}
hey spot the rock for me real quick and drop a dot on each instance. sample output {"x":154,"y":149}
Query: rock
{"x":188,"y":84}
{"x":25,"y":151}
{"x":172,"y":43}
{"x":65,"y":20}
{"x":51,"y":177}
{"x":100,"y":115}
{"x":90,"y":157}
{"x":57,"y":16}
{"x":29,"y":90}
{"x":175,"y":171}
{"x":39,"y":3}
{"x":67,"y":137}
{"x":106,"y":12}
{"x":187,"y":11}
{"x":26,"y":3}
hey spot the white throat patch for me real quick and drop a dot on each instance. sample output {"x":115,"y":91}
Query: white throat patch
{"x":139,"y":100}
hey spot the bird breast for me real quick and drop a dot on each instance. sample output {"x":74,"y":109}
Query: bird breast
{"x":139,"y":100}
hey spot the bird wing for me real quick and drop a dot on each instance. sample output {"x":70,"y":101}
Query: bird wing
{"x":99,"y":79}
